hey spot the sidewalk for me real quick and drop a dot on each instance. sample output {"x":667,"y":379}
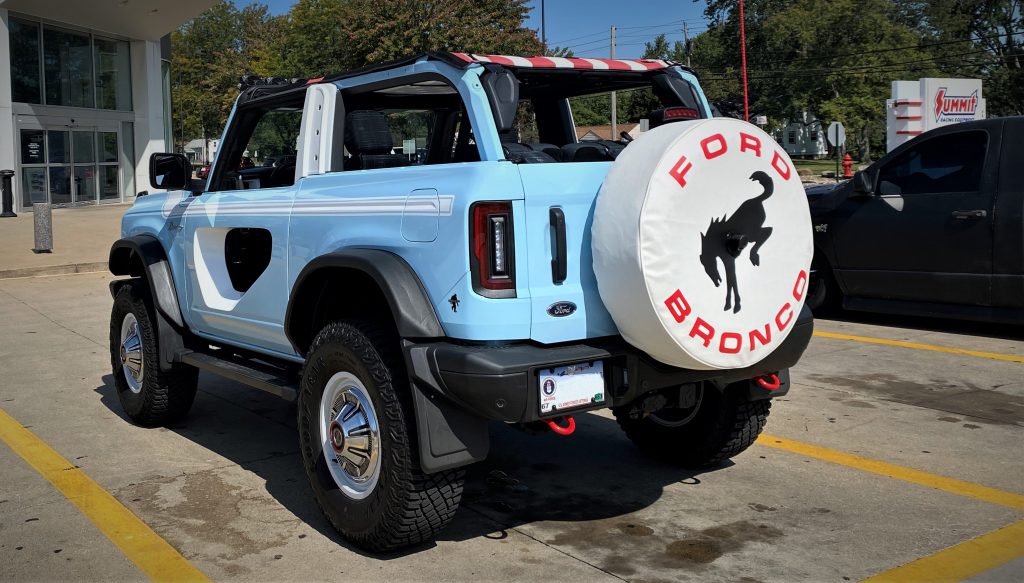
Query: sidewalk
{"x":81,"y":241}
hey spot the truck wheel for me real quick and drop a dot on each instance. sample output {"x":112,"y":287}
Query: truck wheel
{"x":721,"y":425}
{"x":358,"y":446}
{"x":823,"y":295}
{"x":150,"y":396}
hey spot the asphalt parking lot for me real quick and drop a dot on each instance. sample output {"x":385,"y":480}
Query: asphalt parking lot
{"x":900,"y":441}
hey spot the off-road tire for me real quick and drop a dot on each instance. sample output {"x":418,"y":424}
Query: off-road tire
{"x":823,"y":294}
{"x":406,"y":506}
{"x":166,"y":395}
{"x":726,"y":424}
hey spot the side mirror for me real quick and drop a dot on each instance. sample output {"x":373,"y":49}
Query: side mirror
{"x":862,"y":183}
{"x":169,"y":171}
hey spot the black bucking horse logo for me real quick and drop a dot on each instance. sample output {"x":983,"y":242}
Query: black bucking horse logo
{"x":727,"y":237}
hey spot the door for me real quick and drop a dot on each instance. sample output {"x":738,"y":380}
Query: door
{"x":65,"y":164}
{"x":236,"y":236}
{"x":926,"y":234}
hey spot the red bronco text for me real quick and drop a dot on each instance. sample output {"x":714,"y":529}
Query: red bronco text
{"x":735,"y":341}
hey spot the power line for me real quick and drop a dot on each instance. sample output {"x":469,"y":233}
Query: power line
{"x":892,"y":49}
{"x":674,"y":23}
{"x":879,"y":68}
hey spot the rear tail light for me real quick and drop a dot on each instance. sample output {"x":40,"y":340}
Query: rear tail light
{"x":492,"y":252}
{"x":677,"y":113}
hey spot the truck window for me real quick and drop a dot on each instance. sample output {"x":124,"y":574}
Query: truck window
{"x":564,"y":115}
{"x":259,"y":150}
{"x":407,"y":125}
{"x":947,"y":163}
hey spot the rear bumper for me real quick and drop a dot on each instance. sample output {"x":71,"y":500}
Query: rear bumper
{"x":501,"y":381}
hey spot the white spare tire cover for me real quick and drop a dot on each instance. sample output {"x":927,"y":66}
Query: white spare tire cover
{"x":702,"y":244}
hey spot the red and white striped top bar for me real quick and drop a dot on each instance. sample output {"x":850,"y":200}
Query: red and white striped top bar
{"x":566,"y":63}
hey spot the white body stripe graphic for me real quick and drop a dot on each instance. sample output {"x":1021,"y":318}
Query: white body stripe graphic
{"x":370,"y":206}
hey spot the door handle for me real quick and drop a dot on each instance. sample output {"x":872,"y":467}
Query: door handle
{"x":559,"y":264}
{"x":976,"y":214}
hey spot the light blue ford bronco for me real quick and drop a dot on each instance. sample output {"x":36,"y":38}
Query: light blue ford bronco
{"x":431,"y":244}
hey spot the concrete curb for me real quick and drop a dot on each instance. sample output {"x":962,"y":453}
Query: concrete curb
{"x":53,"y":270}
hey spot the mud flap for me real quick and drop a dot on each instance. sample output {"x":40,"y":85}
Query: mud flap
{"x":448,"y":436}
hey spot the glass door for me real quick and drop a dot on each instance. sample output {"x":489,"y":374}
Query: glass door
{"x":71,"y":164}
{"x":83,"y":149}
{"x":108,"y":167}
{"x":58,"y":142}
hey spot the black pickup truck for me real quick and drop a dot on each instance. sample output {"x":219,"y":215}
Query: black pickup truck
{"x":935,"y":228}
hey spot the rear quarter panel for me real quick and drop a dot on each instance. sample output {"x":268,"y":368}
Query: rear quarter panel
{"x":365,"y":208}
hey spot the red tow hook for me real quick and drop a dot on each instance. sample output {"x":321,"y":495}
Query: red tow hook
{"x":553,"y":424}
{"x":771,"y":384}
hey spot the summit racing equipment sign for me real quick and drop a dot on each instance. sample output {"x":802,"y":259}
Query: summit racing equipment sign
{"x":953,"y":108}
{"x":702,"y":244}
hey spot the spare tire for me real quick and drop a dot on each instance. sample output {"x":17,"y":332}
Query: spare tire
{"x":702,"y":244}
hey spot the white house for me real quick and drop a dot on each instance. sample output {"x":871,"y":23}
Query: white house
{"x":200,"y":150}
{"x":85,"y":95}
{"x":803,"y":137}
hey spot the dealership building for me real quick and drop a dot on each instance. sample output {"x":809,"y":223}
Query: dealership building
{"x":85,"y":95}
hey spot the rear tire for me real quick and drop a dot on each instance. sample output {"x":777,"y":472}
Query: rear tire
{"x":723,"y":426}
{"x":366,"y":477}
{"x":149,"y":395}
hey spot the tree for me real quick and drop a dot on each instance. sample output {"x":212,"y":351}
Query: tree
{"x":805,"y":55}
{"x":979,"y":38}
{"x":380,"y":30}
{"x":206,"y":63}
{"x":314,"y":40}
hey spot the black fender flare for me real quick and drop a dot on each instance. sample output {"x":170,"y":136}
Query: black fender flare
{"x":157,"y":271}
{"x":143,"y":257}
{"x":402,"y":289}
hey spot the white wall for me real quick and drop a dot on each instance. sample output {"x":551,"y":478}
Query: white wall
{"x":147,"y":98}
{"x":8,"y":140}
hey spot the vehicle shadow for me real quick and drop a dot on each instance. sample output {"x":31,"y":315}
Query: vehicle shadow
{"x":930,"y":324}
{"x":592,"y":475}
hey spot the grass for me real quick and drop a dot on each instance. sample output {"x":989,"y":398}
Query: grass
{"x":819,"y":166}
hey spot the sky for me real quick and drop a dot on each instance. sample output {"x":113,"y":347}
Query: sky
{"x":584,"y":25}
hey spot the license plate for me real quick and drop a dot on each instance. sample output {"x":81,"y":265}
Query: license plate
{"x":571,"y":387}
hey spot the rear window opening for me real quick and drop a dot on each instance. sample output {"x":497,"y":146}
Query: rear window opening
{"x":565,"y":115}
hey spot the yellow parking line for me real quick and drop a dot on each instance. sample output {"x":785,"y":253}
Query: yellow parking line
{"x":958,"y":487}
{"x":917,"y":346}
{"x":961,"y":561}
{"x":157,"y":559}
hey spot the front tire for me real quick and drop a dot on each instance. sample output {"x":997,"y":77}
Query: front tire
{"x":823,"y":294}
{"x":149,"y":395}
{"x":357,"y":436}
{"x":721,"y":425}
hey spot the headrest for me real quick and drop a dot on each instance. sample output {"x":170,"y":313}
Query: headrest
{"x":367,"y":132}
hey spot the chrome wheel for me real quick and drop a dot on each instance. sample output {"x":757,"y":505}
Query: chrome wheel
{"x":676,"y":417}
{"x":350,"y":435}
{"x":131,"y":352}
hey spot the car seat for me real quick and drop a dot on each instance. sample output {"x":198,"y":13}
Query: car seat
{"x":586,"y":152}
{"x":368,"y":139}
{"x":521,"y":153}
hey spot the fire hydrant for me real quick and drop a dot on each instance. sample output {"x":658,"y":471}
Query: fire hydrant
{"x":847,"y":166}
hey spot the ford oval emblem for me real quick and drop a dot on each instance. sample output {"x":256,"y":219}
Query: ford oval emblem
{"x":561,"y":309}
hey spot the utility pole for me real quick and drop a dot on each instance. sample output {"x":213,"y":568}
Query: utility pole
{"x":543,"y":33}
{"x":615,"y":132}
{"x":686,"y":42}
